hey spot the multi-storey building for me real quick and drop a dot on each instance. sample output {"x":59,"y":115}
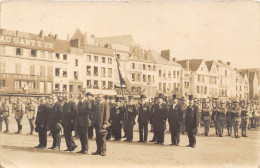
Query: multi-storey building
{"x":242,"y":86}
{"x":213,"y":78}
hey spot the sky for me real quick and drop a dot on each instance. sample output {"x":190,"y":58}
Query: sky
{"x":219,"y":30}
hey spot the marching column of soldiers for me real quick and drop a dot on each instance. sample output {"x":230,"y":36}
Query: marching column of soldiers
{"x":106,"y":116}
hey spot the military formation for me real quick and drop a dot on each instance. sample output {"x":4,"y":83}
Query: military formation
{"x":109,"y":116}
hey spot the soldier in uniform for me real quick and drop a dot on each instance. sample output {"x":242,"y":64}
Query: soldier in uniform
{"x":175,"y":117}
{"x":214,"y":114}
{"x":130,"y":115}
{"x":117,"y":115}
{"x":68,"y":118}
{"x":19,"y":112}
{"x":100,"y":122}
{"x":31,"y":110}
{"x":4,"y":115}
{"x":221,"y":118}
{"x":206,"y":116}
{"x":236,"y":118}
{"x":54,"y":119}
{"x":244,"y":118}
{"x":144,"y":116}
{"x":41,"y":123}
{"x":229,"y":118}
{"x":82,"y":120}
{"x":192,"y":122}
{"x":159,"y":119}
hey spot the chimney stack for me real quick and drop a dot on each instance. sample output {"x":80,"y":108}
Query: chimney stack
{"x":174,"y":59}
{"x":41,"y":34}
{"x":166,"y":54}
{"x":228,"y":63}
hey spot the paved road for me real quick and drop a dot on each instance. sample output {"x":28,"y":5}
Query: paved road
{"x":17,"y":151}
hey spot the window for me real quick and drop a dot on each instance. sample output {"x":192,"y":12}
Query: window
{"x":19,"y":51}
{"x":64,"y":88}
{"x":160,"y":73}
{"x":110,"y":85}
{"x":174,"y":74}
{"x":139,"y":77}
{"x":174,"y":86}
{"x":49,"y":55}
{"x":42,"y":70}
{"x":89,"y":58}
{"x":42,"y":87}
{"x":109,"y":60}
{"x":88,"y":83}
{"x":2,"y":67}
{"x":95,"y":84}
{"x":133,"y":77}
{"x":42,"y":54}
{"x":95,"y":71}
{"x":164,"y":74}
{"x":186,"y":85}
{"x":76,"y":75}
{"x":226,"y":73}
{"x":169,"y":86}
{"x":144,"y":67}
{"x":178,"y":74}
{"x":144,"y":78}
{"x":88,"y":70}
{"x":65,"y":58}
{"x":103,"y":84}
{"x":17,"y":84}
{"x":2,"y":49}
{"x":17,"y":68}
{"x":57,"y":56}
{"x":110,"y":72}
{"x":64,"y":74}
{"x":57,"y":86}
{"x":103,"y":72}
{"x":2,"y":83}
{"x":198,"y":89}
{"x":80,"y":88}
{"x":57,"y":71}
{"x":164,"y":87}
{"x":96,"y":58}
{"x":149,"y":67}
{"x":133,"y":65}
{"x":71,"y":88}
{"x":103,"y":60}
{"x":149,"y":79}
{"x":76,"y":62}
{"x":33,"y":53}
{"x":50,"y":70}
{"x":169,"y":74}
{"x":160,"y":86}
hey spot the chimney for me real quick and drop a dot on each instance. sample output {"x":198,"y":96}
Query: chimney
{"x":56,"y":36}
{"x":41,"y":34}
{"x":187,"y":66}
{"x":75,"y":43}
{"x":166,"y":54}
{"x":228,"y":63}
{"x":174,"y":59}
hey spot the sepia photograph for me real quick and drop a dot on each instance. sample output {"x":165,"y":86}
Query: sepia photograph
{"x":143,"y":83}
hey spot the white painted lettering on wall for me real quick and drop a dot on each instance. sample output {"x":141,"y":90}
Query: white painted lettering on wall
{"x":26,"y":42}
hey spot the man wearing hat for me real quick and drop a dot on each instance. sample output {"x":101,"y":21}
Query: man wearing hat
{"x":54,"y":119}
{"x":31,"y":110}
{"x":236,"y":118}
{"x":19,"y":112}
{"x":183,"y":106}
{"x":215,"y":105}
{"x":221,"y":118}
{"x":117,"y":115}
{"x":206,"y":116}
{"x":175,"y":117}
{"x":82,"y":120}
{"x":229,"y":118}
{"x":5,"y":111}
{"x":152,"y":119}
{"x":100,"y":123}
{"x":109,"y":129}
{"x":144,"y":117}
{"x":244,"y":117}
{"x":130,"y":115}
{"x":90,"y":98}
{"x":192,"y":121}
{"x":159,"y":119}
{"x":41,"y":123}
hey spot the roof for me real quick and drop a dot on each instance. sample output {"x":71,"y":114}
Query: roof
{"x":124,"y":40}
{"x":194,"y":64}
{"x":98,"y":50}
{"x":209,"y":64}
{"x":154,"y":56}
{"x":220,"y":63}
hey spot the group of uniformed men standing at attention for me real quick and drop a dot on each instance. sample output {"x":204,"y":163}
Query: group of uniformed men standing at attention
{"x":107,"y":115}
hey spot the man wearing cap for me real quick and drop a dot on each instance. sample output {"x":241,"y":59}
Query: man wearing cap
{"x":244,"y":118}
{"x":144,"y":116}
{"x":82,"y":119}
{"x":175,"y":117}
{"x":192,"y":122}
{"x":41,"y":123}
{"x":229,"y":118}
{"x":130,"y":115}
{"x":236,"y":118}
{"x":54,"y":119}
{"x":4,"y":114}
{"x":206,"y":116}
{"x":19,"y":112}
{"x":117,"y":115}
{"x":31,"y":110}
{"x":221,"y":118}
{"x":100,"y":122}
{"x":68,"y":117}
{"x":214,"y":114}
{"x":159,"y":119}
